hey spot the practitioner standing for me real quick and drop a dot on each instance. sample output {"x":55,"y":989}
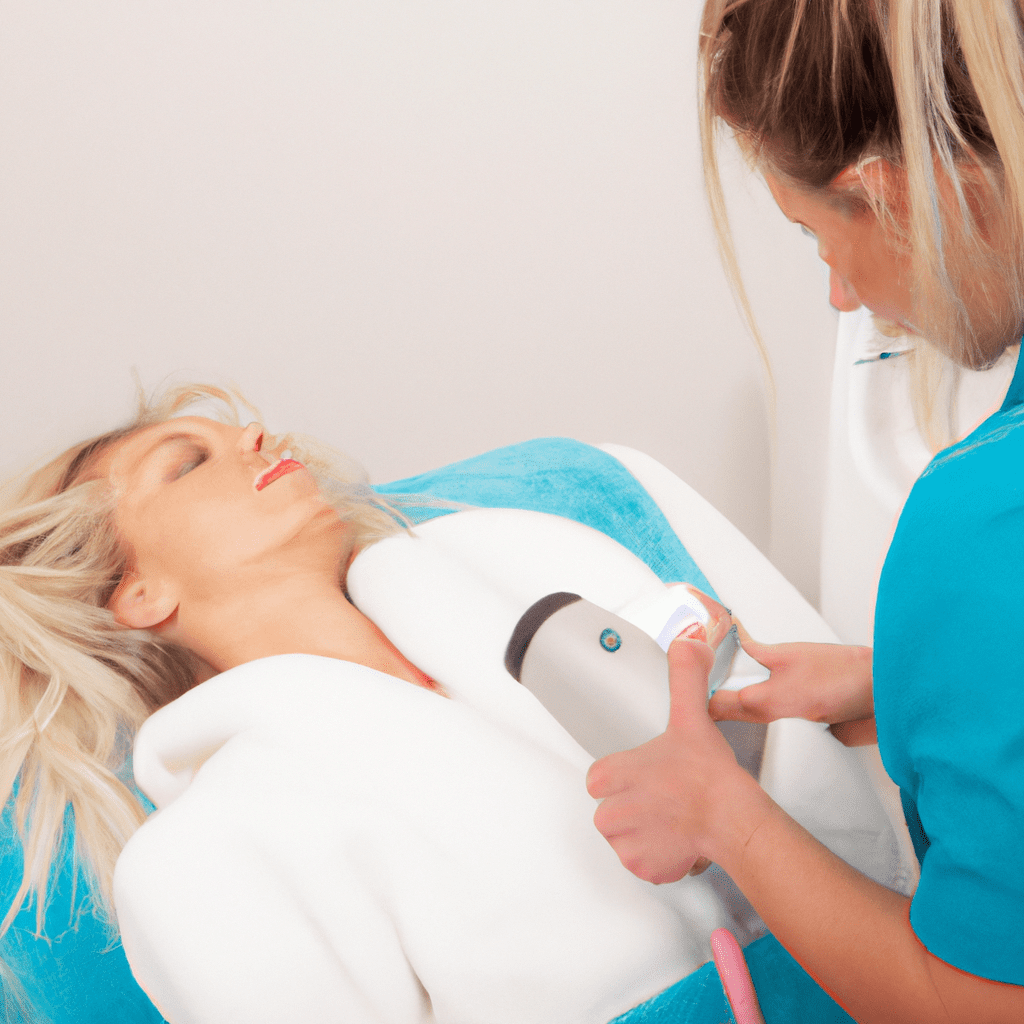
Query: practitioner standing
{"x":893,"y":131}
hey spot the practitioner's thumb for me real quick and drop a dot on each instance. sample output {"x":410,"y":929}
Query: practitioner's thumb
{"x":690,"y":661}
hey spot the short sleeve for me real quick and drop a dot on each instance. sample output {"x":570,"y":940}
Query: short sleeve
{"x":949,"y":693}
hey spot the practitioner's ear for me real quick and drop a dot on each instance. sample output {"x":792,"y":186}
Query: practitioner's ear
{"x":141,"y":604}
{"x":875,"y":178}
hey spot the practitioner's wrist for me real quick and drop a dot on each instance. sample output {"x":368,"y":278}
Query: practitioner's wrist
{"x":740,"y":809}
{"x":861,"y":700}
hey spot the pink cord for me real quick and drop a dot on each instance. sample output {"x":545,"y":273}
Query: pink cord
{"x":732,"y":969}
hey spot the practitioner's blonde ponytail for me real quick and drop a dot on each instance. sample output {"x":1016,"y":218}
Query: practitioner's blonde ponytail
{"x":933,"y":87}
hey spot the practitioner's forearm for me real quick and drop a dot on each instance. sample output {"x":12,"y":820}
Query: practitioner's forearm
{"x":850,"y":933}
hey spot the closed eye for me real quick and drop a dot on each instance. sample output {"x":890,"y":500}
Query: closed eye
{"x":196,"y":458}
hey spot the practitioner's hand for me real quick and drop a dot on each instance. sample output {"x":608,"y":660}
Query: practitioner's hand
{"x":670,"y":803}
{"x":821,"y":682}
{"x":732,"y":969}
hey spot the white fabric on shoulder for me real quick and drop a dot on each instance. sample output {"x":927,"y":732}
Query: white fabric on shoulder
{"x":450,"y":595}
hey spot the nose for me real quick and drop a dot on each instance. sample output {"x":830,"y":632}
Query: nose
{"x":841,"y":294}
{"x":251,"y":438}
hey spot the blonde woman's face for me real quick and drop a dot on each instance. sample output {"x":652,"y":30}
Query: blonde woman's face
{"x":865,"y":268}
{"x":201,"y":506}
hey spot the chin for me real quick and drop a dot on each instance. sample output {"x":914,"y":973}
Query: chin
{"x":994,"y":332}
{"x":990,"y":342}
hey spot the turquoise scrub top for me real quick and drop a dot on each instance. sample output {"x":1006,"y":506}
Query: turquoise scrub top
{"x":949,"y":692}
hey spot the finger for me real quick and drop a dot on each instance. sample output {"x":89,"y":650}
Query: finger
{"x":689,"y":665}
{"x":745,"y":637}
{"x":616,"y":818}
{"x":695,"y":631}
{"x":732,"y":969}
{"x":717,"y":630}
{"x":616,"y":772}
{"x":725,"y":706}
{"x":768,"y":654}
{"x":601,"y":778}
{"x":859,"y":733}
{"x":719,"y":618}
{"x":650,"y":865}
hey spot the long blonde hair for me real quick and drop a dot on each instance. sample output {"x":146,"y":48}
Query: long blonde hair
{"x":74,"y":684}
{"x":933,"y":87}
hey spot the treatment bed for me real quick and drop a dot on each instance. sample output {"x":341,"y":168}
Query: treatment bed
{"x":333,"y":844}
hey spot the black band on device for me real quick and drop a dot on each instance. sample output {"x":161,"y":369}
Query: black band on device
{"x":531,"y":620}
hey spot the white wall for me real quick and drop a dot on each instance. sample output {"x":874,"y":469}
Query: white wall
{"x":416,"y":229}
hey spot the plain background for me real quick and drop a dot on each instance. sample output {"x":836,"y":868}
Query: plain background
{"x":418,"y":230}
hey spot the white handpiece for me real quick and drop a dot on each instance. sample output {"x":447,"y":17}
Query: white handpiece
{"x":604,"y":677}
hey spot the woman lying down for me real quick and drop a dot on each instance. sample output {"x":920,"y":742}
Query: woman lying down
{"x":362,"y":817}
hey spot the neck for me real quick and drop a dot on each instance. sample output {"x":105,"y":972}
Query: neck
{"x":294,"y":616}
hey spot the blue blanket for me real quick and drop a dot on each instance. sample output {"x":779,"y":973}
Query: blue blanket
{"x":76,"y":973}
{"x":569,"y":479}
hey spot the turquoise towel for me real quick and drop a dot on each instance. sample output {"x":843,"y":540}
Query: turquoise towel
{"x":565,"y":478}
{"x":77,"y":974}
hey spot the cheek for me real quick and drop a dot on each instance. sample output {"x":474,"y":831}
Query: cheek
{"x":218,"y":537}
{"x":170,"y":536}
{"x":889,"y":279}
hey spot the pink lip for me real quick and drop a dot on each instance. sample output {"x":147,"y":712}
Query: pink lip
{"x":283,"y":468}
